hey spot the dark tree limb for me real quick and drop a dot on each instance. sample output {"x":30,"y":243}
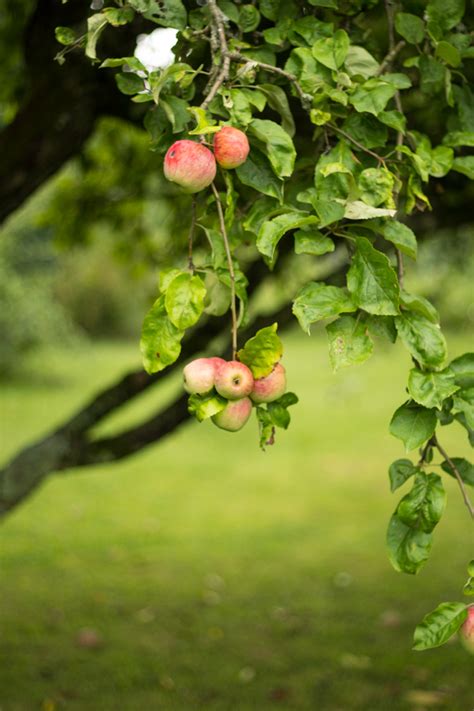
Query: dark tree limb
{"x":73,"y":445}
{"x":62,"y":103}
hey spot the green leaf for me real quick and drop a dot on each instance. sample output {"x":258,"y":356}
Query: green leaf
{"x":274,"y":415}
{"x":332,"y":51}
{"x":263,"y":209}
{"x":168,"y":13}
{"x":448,"y":53}
{"x":349,"y":342}
{"x":309,"y":73}
{"x":400,"y":471}
{"x":313,"y":242}
{"x":420,"y":305}
{"x":230,"y":10}
{"x":372,"y":97}
{"x":358,"y":210}
{"x":441,"y":161}
{"x":278,"y":144}
{"x":422,"y":338}
{"x":266,"y":427}
{"x":117,"y":16}
{"x":65,"y":35}
{"x":205,"y":406}
{"x":460,"y":417}
{"x":409,"y":548}
{"x":359,"y":62}
{"x":394,"y":119}
{"x":423,"y":506}
{"x":184,"y":300}
{"x":316,"y":301}
{"x":160,"y":343}
{"x":463,"y":401}
{"x":468,"y":589}
{"x":257,"y":174}
{"x":431,"y":389}
{"x":278,"y":409}
{"x":372,"y":280}
{"x":204,"y":124}
{"x":463,"y":367}
{"x":238,"y":106}
{"x":376,"y":186}
{"x":309,"y":29}
{"x":129,"y":83}
{"x":262,"y":352}
{"x":432,"y":75}
{"x":410,"y":27}
{"x":382,"y":326}
{"x":459,"y":138}
{"x":366,"y":129}
{"x":395,"y":79}
{"x":413,"y":424}
{"x":165,"y":278}
{"x":249,"y":18}
{"x":176,"y":110}
{"x":445,"y":13}
{"x":278,"y":101}
{"x":218,"y":252}
{"x":464,"y":165}
{"x":440,"y":625}
{"x":334,"y":183}
{"x":272,"y":231}
{"x":241,"y":283}
{"x":398,"y":234}
{"x":270,"y":9}
{"x":95,"y":25}
{"x":465,"y":469}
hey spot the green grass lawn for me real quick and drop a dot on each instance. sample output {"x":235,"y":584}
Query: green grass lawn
{"x":218,"y":577}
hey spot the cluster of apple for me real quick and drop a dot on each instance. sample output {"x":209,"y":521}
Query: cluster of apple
{"x":193,"y":166}
{"x":234,"y":382}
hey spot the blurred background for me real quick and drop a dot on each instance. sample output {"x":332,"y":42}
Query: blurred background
{"x":202,"y":573}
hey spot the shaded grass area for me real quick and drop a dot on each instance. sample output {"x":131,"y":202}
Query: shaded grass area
{"x":216,"y":577}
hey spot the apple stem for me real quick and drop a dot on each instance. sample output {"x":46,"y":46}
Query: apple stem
{"x":192,"y":230}
{"x":230,"y":263}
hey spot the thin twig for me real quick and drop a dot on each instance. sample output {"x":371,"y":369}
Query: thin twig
{"x":391,"y":31}
{"x":456,"y":473}
{"x":233,"y":308}
{"x":237,"y":57}
{"x":225,"y":58}
{"x":192,"y":230}
{"x":356,"y":143}
{"x":392,"y":53}
{"x":388,"y":59}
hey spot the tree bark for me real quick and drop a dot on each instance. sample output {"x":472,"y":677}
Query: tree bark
{"x":62,"y":103}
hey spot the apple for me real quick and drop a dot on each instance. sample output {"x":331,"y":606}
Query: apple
{"x":467,"y":630}
{"x":233,"y":380}
{"x":198,"y":375}
{"x":231,"y":147}
{"x":271,"y":387}
{"x":234,"y":415}
{"x":218,"y":362}
{"x":190,"y":165}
